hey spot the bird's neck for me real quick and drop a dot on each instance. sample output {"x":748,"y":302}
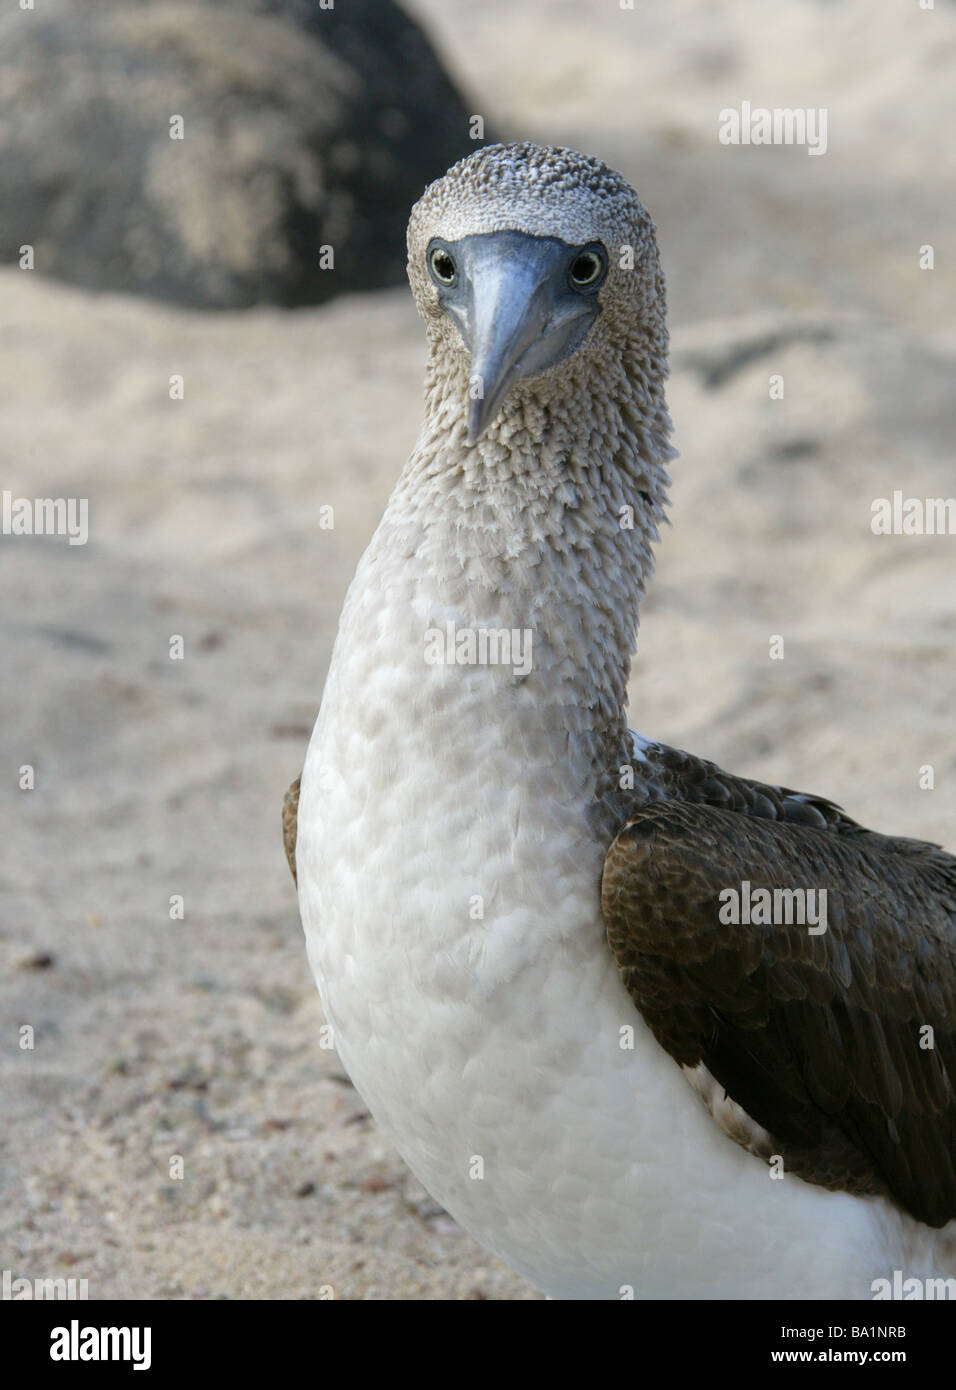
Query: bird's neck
{"x":545,"y":527}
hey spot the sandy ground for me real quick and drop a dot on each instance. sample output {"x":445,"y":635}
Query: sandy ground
{"x":200,"y":1037}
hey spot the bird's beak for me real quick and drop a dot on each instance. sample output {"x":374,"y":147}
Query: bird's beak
{"x":511,"y":301}
{"x":515,"y":313}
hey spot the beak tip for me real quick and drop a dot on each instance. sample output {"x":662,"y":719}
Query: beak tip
{"x":475,"y":422}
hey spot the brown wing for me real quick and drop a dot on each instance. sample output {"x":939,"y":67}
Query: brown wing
{"x":823,"y":1039}
{"x":290,"y":820}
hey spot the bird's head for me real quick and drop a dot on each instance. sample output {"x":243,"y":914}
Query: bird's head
{"x":522,"y":257}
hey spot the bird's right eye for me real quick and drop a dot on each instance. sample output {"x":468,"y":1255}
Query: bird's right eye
{"x":442,"y":266}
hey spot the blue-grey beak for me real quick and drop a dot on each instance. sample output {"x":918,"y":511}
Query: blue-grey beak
{"x":517,"y":309}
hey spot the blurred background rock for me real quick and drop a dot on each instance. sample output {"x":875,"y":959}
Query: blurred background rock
{"x":301,"y":129}
{"x":154,"y":777}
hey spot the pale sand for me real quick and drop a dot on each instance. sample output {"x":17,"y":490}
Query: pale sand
{"x":201,"y":1037}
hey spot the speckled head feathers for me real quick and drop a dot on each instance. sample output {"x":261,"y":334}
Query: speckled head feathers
{"x":543,"y":190}
{"x":548,"y":191}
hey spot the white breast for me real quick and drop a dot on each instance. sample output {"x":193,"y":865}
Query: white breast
{"x":450,"y":899}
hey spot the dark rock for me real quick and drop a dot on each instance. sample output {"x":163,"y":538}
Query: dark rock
{"x":303,"y":128}
{"x":36,"y":960}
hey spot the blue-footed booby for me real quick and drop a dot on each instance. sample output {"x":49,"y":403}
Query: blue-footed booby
{"x":570,"y":969}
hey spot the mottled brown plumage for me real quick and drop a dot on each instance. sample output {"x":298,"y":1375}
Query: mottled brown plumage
{"x":816,"y":1037}
{"x":290,"y":813}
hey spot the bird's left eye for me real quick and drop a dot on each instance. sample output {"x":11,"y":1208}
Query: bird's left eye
{"x":586,"y":269}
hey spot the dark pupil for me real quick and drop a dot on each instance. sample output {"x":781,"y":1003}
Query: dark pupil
{"x":444,"y":266}
{"x":584,"y":268}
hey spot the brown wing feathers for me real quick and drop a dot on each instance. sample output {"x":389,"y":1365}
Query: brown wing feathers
{"x":290,"y":824}
{"x":819,"y":1037}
